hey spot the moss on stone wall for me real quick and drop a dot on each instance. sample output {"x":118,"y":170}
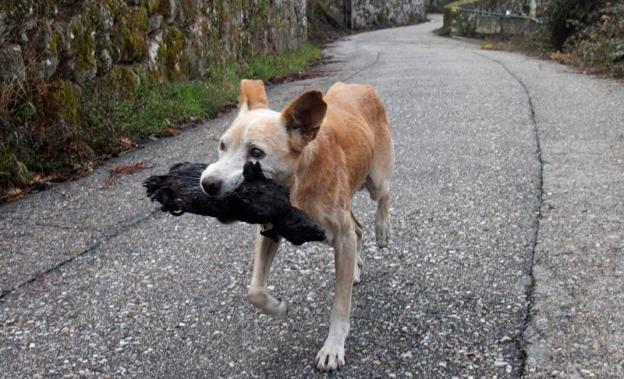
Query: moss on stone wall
{"x":66,"y":106}
{"x":130,"y":33}
{"x":98,"y":70}
{"x":174,"y":63}
{"x":121,"y":81}
{"x":82,"y":40}
{"x":167,"y":8}
{"x":152,"y":6}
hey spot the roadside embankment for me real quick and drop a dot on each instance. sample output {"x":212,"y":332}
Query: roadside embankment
{"x":81,"y":81}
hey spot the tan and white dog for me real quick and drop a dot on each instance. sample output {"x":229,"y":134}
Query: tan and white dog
{"x":324,"y":148}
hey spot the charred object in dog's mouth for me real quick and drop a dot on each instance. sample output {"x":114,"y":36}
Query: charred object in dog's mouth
{"x":257,"y":200}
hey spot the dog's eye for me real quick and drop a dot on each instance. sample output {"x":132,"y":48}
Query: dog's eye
{"x":256,"y":153}
{"x":221,"y":146}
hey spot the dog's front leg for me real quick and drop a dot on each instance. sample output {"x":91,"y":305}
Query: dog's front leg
{"x":264,"y":251}
{"x":332,"y":355}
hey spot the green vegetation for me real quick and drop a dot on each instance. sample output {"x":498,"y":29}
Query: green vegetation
{"x":59,"y":127}
{"x":275,"y":66}
{"x":598,"y":45}
{"x":589,"y":35}
{"x":568,"y":17}
{"x":454,"y":6}
{"x":585,"y":34}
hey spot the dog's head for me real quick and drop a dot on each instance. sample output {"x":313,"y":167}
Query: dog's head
{"x":258,"y":134}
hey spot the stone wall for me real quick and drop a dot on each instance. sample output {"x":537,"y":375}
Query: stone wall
{"x":78,"y":40}
{"x":382,"y":13}
{"x":332,"y":11}
{"x":369,"y":14}
{"x":326,"y":20}
{"x":436,"y":6}
{"x":481,"y":18}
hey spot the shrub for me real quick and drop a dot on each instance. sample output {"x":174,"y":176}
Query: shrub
{"x":567,"y":17}
{"x":602,"y":43}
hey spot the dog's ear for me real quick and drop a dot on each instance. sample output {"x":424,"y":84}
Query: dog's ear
{"x":252,"y":95}
{"x":303,"y":118}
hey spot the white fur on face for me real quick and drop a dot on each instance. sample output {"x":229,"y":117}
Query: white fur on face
{"x":260,"y":128}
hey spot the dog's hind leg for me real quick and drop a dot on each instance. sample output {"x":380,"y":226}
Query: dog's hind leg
{"x":378,"y":186}
{"x":257,"y":294}
{"x":357,"y":272}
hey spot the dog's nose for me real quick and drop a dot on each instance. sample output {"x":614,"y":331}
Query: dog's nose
{"x":211,"y":186}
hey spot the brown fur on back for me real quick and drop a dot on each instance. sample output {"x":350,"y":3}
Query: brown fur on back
{"x":337,"y":162}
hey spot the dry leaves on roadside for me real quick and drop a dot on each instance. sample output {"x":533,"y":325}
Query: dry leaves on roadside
{"x":123,"y":169}
{"x":12,"y":194}
{"x":563,"y":58}
{"x":127,"y":142}
{"x":37,"y":183}
{"x":169,"y":132}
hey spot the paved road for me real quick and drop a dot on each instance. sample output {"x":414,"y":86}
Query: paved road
{"x":506,"y":258}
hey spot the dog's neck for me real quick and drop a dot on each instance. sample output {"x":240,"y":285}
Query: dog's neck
{"x":309,"y":177}
{"x":306,"y":159}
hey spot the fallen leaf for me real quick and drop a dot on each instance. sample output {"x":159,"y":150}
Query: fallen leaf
{"x":563,"y":58}
{"x":127,"y":142}
{"x":124,"y":169}
{"x":13,"y":194}
{"x":36,"y":179}
{"x":169,"y":132}
{"x":39,"y":182}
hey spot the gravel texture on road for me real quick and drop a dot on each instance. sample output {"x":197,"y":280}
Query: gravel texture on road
{"x":577,"y":310}
{"x":96,"y":281}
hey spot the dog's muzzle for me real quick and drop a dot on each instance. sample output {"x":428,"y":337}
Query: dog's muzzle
{"x":212,"y":186}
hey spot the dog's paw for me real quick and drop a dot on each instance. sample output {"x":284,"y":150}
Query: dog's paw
{"x":331,"y":356}
{"x":382,"y":233}
{"x":268,"y":304}
{"x":278,"y":310}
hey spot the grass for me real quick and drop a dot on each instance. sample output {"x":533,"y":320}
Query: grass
{"x":158,"y":106}
{"x":110,"y":123}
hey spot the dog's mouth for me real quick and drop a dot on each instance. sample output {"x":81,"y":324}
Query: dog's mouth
{"x":251,"y":172}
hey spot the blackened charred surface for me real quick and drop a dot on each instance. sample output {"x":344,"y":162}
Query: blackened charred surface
{"x":179,"y":191}
{"x":258,"y":200}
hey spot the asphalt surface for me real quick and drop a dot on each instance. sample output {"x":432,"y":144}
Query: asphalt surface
{"x":505,"y":259}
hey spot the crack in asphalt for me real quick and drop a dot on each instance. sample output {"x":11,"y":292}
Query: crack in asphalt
{"x":101,"y":240}
{"x":63,"y":227}
{"x":521,"y":340}
{"x":349,"y":77}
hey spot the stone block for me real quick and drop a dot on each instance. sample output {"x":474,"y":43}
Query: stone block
{"x":487,"y":25}
{"x":515,"y":25}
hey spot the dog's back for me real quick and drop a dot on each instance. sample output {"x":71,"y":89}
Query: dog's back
{"x":357,"y":114}
{"x":352,"y":149}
